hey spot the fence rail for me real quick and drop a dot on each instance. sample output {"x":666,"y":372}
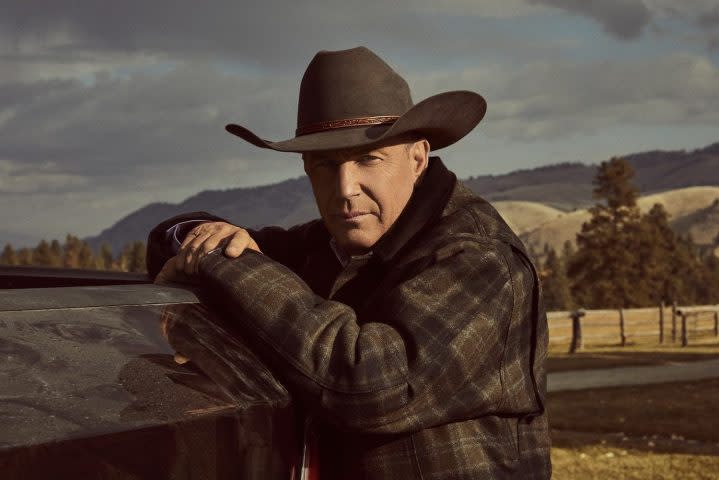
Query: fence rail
{"x":582,"y":327}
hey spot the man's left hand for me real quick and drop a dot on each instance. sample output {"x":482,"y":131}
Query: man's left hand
{"x":182,"y":268}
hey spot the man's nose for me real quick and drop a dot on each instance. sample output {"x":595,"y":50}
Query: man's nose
{"x":347,"y":180}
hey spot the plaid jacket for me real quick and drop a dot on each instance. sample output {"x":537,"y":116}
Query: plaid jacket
{"x":423,"y":360}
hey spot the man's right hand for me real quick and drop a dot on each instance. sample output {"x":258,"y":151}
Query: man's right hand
{"x":209,"y":236}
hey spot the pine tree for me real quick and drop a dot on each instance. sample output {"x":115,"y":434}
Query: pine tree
{"x":567,"y":252}
{"x":604,"y":270}
{"x":71,"y":252}
{"x":55,"y":253}
{"x":24,"y":256}
{"x":41,"y":255}
{"x":656,"y":251}
{"x":85,"y":257}
{"x":136,"y":261}
{"x":105,"y":257}
{"x":555,"y":283}
{"x":8,"y":256}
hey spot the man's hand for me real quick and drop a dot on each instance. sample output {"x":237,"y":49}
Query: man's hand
{"x":209,"y":236}
{"x":205,"y":237}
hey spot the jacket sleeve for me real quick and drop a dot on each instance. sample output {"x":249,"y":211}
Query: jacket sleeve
{"x":433,"y":351}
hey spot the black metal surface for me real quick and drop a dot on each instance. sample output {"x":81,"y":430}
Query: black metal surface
{"x":96,"y":391}
{"x":93,"y":296}
{"x":48,"y":277}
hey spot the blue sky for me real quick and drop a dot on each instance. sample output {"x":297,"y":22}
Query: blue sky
{"x":107,"y":107}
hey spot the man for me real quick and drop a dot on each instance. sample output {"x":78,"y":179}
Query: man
{"x":407,"y":320}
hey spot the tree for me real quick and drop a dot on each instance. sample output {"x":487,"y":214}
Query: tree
{"x":71,"y":252}
{"x":42,"y":255}
{"x":105,"y":260}
{"x":657,"y":254}
{"x":604,"y":269}
{"x":24,"y":256}
{"x":85,"y":256}
{"x":132,"y":258}
{"x":55,"y":253}
{"x":555,"y":283}
{"x":8,"y":256}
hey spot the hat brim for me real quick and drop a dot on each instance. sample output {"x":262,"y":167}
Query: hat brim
{"x":442,"y":119}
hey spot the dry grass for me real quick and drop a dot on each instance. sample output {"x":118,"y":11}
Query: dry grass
{"x":611,"y":463}
{"x":601,"y":329}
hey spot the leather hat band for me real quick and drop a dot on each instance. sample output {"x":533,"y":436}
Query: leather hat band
{"x":347,"y":123}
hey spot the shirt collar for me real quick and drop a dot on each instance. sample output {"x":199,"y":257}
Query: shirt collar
{"x":342,"y":256}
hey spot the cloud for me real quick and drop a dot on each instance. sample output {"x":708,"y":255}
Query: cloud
{"x":561,"y":99}
{"x":625,"y":19}
{"x":110,"y":106}
{"x":113,"y":129}
{"x":710,"y":18}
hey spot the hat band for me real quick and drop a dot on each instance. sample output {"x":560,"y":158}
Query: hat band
{"x":347,"y":123}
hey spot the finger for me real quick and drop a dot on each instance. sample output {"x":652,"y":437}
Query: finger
{"x":237,"y":244}
{"x":217,"y":239}
{"x":191,"y":235}
{"x":192,"y":252}
{"x":168,"y":272}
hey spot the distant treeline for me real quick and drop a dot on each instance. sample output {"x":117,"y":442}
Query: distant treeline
{"x":76,"y":253}
{"x":624,"y":259}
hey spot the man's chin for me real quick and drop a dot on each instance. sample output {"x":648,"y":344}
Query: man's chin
{"x":354,"y":243}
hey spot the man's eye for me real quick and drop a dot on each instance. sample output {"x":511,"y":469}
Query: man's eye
{"x":369,"y":159}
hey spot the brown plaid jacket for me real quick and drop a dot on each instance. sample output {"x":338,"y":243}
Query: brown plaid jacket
{"x":423,"y":360}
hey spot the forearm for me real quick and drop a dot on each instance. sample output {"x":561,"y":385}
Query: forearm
{"x":380,"y":374}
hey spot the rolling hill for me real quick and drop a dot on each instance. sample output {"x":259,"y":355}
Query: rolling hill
{"x":692,"y":210}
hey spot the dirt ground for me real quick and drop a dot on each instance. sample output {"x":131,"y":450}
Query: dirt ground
{"x":667,"y":431}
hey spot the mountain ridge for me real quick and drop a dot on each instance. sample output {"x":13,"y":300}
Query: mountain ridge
{"x":565,"y":186}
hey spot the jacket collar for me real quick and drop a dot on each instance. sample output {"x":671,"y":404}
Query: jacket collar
{"x":424,"y":208}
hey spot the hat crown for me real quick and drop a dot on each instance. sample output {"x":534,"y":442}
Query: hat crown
{"x":348,"y":84}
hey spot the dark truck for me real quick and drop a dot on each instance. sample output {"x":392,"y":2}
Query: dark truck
{"x":95,"y":382}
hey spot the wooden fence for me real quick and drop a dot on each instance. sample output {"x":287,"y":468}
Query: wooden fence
{"x":660,"y":324}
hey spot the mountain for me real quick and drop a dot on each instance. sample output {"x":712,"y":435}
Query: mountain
{"x":286,"y":203}
{"x":560,"y":189}
{"x":568,"y":186}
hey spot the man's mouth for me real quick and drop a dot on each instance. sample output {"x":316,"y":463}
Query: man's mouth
{"x":354,"y":215}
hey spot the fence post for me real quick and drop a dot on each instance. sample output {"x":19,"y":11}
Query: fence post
{"x":576,"y":331}
{"x":684,"y":329}
{"x":674,"y":322}
{"x":661,"y":323}
{"x":621,"y":327}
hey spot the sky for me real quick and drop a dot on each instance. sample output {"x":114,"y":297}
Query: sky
{"x":108,"y":106}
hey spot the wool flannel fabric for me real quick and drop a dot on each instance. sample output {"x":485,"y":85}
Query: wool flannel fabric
{"x":424,"y":360}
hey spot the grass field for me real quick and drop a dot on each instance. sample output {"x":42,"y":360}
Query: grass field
{"x":641,"y":325}
{"x":666,"y":431}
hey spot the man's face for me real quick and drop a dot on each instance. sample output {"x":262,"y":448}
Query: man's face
{"x":360,"y":193}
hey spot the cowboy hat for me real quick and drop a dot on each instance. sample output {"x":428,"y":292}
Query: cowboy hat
{"x":352,"y":98}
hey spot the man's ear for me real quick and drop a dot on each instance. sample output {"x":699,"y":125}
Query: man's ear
{"x":304,"y":164}
{"x":419,"y":156}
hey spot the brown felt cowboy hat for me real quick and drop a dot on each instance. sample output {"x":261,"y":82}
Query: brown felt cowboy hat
{"x":352,"y":98}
